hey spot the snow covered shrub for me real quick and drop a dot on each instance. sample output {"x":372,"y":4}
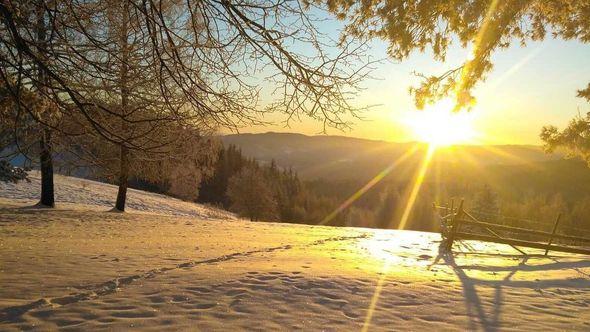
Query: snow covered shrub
{"x":9,"y":173}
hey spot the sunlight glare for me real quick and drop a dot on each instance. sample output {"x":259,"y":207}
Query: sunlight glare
{"x":379,"y":248}
{"x":368,"y":186}
{"x":438,"y":125}
{"x":417,"y":186}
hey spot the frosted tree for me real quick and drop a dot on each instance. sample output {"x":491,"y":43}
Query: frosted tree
{"x":9,"y":173}
{"x":251,"y":195}
{"x":152,"y":132}
{"x":575,"y":138}
{"x":122,"y":71}
{"x":25,"y":94}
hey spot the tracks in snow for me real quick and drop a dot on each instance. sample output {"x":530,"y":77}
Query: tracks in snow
{"x":11,"y":314}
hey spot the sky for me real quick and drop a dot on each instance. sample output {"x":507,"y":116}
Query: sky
{"x":528,"y":88}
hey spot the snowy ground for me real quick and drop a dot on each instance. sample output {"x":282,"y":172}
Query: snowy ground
{"x":81,"y":268}
{"x":71,"y":190}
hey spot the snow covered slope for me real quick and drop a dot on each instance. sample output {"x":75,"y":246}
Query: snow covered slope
{"x":72,"y":190}
{"x":82,"y":268}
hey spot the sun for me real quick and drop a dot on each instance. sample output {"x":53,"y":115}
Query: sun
{"x":438,"y":125}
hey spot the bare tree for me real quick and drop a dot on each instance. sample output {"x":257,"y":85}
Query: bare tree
{"x":195,"y":64}
{"x":145,"y":117}
{"x":45,"y":146}
{"x":25,"y":86}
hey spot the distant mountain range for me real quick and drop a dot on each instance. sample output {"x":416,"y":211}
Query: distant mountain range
{"x":338,"y":157}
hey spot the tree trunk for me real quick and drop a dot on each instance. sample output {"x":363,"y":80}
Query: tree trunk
{"x":123,"y":179}
{"x":124,"y":90}
{"x":47,"y":192}
{"x":45,"y":158}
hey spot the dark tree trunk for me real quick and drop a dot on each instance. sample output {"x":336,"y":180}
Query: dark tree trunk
{"x":123,"y":179}
{"x":124,"y":158}
{"x":47,"y":192}
{"x":46,"y":160}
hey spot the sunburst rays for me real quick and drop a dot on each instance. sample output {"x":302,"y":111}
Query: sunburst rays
{"x":411,"y":200}
{"x":369,"y":185}
{"x":417,"y":186}
{"x":422,"y":170}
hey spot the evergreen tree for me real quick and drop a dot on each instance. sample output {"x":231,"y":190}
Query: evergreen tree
{"x":575,"y":138}
{"x":213,"y":190}
{"x":251,"y":196}
{"x":387,"y":209}
{"x":486,"y":202}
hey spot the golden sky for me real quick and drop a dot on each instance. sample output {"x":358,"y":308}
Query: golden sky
{"x":528,"y":88}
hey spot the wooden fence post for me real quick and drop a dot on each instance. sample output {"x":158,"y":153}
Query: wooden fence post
{"x":553,"y":233}
{"x":456,"y":222}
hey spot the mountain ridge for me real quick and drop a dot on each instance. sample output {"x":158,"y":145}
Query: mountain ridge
{"x":341,"y":157}
{"x":289,"y":134}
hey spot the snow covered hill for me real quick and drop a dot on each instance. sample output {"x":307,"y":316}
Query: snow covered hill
{"x":79,"y":267}
{"x":72,"y":190}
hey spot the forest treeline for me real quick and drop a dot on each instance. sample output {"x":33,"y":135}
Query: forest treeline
{"x":264,"y":191}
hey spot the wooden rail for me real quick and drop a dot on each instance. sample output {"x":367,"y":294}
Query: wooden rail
{"x":553,"y":235}
{"x":453,"y":220}
{"x":522,"y":243}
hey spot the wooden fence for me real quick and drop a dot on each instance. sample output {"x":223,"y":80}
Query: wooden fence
{"x":459,"y":224}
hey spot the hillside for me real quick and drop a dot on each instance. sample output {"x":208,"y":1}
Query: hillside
{"x":101,"y":196}
{"x":79,"y":267}
{"x":521,"y":182}
{"x":337,"y":157}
